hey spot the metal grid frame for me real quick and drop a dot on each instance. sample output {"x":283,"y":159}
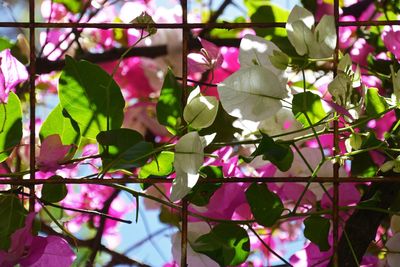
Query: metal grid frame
{"x":335,"y":179}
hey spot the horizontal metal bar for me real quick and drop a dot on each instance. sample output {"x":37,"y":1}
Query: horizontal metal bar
{"x":205,"y":181}
{"x":226,"y":25}
{"x":216,"y":25}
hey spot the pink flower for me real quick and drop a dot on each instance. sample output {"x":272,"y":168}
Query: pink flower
{"x":50,"y":41}
{"x":323,"y":8}
{"x":228,"y":202}
{"x":12,"y":72}
{"x":360,"y":51}
{"x":52,"y":153}
{"x":391,"y":39}
{"x":382,"y":125}
{"x":29,"y":250}
{"x":347,"y":35}
{"x":225,"y":159}
{"x":142,"y":118}
{"x":55,"y":10}
{"x":229,"y":65}
{"x":132,"y":78}
{"x":209,"y":58}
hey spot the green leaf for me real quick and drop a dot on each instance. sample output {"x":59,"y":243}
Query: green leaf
{"x":317,"y":231}
{"x":82,"y":257}
{"x":5,"y":43}
{"x":280,"y":15}
{"x":169,"y":216}
{"x":60,"y":122}
{"x":57,"y":213}
{"x":222,"y":126}
{"x":72,"y":5}
{"x":91,"y":97}
{"x":228,"y":244}
{"x":307,"y":104}
{"x":269,"y":13}
{"x":310,"y":5}
{"x":265,"y":205}
{"x":54,"y":192}
{"x":10,"y":125}
{"x":362,"y":165}
{"x":145,"y":18}
{"x":281,"y":155}
{"x":373,"y":201}
{"x":202,"y":192}
{"x":123,"y":149}
{"x":162,"y":165}
{"x":12,"y":217}
{"x":374,"y":103}
{"x":169,"y":106}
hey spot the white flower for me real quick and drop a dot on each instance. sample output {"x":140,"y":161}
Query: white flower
{"x":189,"y":157}
{"x":195,"y":230}
{"x":200,"y":111}
{"x":396,"y":84}
{"x":256,"y":51}
{"x":252,"y":93}
{"x":391,"y":164}
{"x":255,"y":91}
{"x":283,"y":122}
{"x":393,"y":245}
{"x":316,"y":43}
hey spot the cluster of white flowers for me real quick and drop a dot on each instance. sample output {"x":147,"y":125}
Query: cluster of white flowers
{"x":254,"y":93}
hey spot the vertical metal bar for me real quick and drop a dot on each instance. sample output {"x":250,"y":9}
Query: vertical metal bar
{"x":32,"y":100}
{"x":336,"y":166}
{"x":185,"y":47}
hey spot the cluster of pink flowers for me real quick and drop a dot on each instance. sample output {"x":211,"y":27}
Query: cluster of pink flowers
{"x":140,"y":80}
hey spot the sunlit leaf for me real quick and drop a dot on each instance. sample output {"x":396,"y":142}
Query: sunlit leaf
{"x":268,"y":12}
{"x":10,"y":125}
{"x":60,"y":122}
{"x":5,"y":43}
{"x":307,"y":108}
{"x":169,"y":106}
{"x":161,"y":165}
{"x":374,"y":103}
{"x":90,"y":97}
{"x":228,"y":244}
{"x":72,"y":5}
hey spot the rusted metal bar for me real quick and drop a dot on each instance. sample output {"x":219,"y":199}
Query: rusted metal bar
{"x":336,"y":151}
{"x":215,"y":25}
{"x":28,"y":182}
{"x":32,"y":102}
{"x":185,"y":51}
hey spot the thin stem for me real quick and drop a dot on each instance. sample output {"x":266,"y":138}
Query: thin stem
{"x":313,"y":176}
{"x":267,"y":246}
{"x":308,"y":118}
{"x":310,"y":168}
{"x":351,"y":248}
